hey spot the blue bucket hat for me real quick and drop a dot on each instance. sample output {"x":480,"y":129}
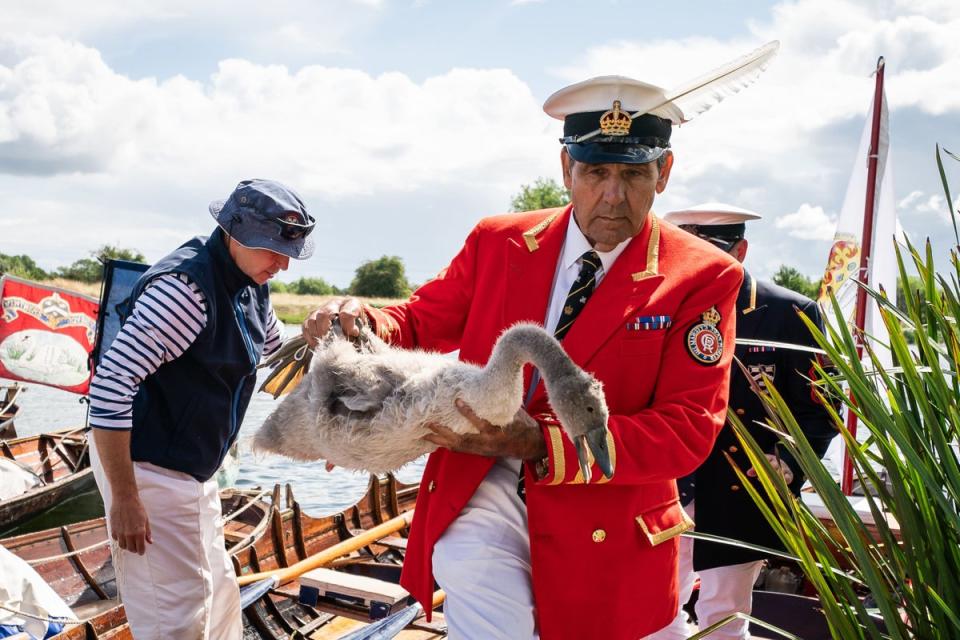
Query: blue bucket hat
{"x":264,"y":214}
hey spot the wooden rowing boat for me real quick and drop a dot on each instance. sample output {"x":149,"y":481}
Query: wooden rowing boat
{"x":60,"y":463}
{"x":296,"y":536}
{"x":9,"y":409}
{"x":75,"y":561}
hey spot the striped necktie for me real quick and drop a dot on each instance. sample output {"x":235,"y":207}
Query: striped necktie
{"x":580,"y":292}
{"x":576,"y":300}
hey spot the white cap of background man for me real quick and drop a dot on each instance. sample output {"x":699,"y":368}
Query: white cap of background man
{"x":722,"y":225}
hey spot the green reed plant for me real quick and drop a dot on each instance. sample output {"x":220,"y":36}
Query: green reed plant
{"x":908,"y":561}
{"x":906,"y":564}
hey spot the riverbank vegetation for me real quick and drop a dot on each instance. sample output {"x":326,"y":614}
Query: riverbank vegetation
{"x":378,"y":282}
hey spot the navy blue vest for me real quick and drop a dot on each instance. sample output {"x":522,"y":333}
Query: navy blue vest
{"x":187,"y":414}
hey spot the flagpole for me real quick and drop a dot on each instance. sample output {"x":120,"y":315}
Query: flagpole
{"x":866,"y":247}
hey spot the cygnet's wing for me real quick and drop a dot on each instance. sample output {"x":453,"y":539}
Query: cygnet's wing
{"x":363,"y":387}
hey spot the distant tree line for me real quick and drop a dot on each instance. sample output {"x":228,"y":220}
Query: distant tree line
{"x":384,"y":277}
{"x":83,"y":270}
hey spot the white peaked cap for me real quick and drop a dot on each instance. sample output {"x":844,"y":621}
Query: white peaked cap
{"x":598,"y":94}
{"x":710,"y":214}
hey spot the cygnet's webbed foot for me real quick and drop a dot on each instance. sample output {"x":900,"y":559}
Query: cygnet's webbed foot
{"x":289,"y":364}
{"x":292,"y":360}
{"x":594,"y":444}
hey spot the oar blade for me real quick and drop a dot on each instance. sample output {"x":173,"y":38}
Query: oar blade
{"x":255,"y":591}
{"x":387,"y":627}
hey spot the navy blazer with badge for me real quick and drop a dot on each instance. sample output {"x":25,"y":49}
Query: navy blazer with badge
{"x":765,"y":311}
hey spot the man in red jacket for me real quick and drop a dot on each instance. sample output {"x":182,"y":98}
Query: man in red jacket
{"x":645,"y":307}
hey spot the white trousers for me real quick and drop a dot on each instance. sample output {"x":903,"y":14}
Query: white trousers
{"x":183,"y":586}
{"x":723,"y":592}
{"x":482,"y":562}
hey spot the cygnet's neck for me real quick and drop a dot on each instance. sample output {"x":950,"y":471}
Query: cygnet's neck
{"x":516,"y":347}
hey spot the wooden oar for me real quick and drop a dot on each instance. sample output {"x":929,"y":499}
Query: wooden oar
{"x":393,"y":624}
{"x":266,"y":580}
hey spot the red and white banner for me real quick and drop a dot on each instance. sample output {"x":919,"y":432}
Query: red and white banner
{"x":46,"y":334}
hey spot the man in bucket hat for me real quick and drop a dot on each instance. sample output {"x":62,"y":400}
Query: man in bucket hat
{"x":168,"y":400}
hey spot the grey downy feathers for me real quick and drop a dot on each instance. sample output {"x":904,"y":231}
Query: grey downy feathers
{"x":363,"y":405}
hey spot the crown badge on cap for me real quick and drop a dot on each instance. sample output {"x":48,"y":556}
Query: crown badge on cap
{"x":615,"y":122}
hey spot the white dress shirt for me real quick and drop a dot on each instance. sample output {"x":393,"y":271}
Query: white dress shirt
{"x":568,"y":268}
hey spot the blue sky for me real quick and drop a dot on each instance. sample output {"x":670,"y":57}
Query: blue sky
{"x":403,"y":122}
{"x":428,"y":38}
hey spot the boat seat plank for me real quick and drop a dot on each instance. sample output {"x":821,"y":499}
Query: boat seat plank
{"x":354,"y":586}
{"x":394,"y":542}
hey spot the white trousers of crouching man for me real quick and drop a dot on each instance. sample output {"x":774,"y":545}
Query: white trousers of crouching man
{"x":482,"y":562}
{"x":723,"y":591}
{"x":184,"y":585}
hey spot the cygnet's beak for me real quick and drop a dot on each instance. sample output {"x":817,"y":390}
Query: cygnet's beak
{"x":594,"y":444}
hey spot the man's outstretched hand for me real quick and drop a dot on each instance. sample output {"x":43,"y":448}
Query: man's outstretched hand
{"x":521,"y":438}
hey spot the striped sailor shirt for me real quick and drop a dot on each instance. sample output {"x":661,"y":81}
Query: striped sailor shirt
{"x":167,"y":318}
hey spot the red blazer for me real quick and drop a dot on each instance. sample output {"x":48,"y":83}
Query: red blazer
{"x":603,"y":554}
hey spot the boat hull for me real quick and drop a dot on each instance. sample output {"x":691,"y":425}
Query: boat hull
{"x":60,"y":459}
{"x":17,"y":510}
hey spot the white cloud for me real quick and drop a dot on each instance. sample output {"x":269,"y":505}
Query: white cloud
{"x":820,"y":78}
{"x":910,"y":200}
{"x":808,"y":223}
{"x":933,"y":204}
{"x":329,"y":130}
{"x":918,"y":202}
{"x":101,"y":157}
{"x":941,"y":10}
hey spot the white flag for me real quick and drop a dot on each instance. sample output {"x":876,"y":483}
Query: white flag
{"x":843,"y":262}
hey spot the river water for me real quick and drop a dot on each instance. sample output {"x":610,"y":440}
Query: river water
{"x":318,"y":492}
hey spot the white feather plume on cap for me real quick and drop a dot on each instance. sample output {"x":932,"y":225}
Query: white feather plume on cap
{"x":677,"y":105}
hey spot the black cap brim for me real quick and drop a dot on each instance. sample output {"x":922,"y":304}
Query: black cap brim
{"x":618,"y":153}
